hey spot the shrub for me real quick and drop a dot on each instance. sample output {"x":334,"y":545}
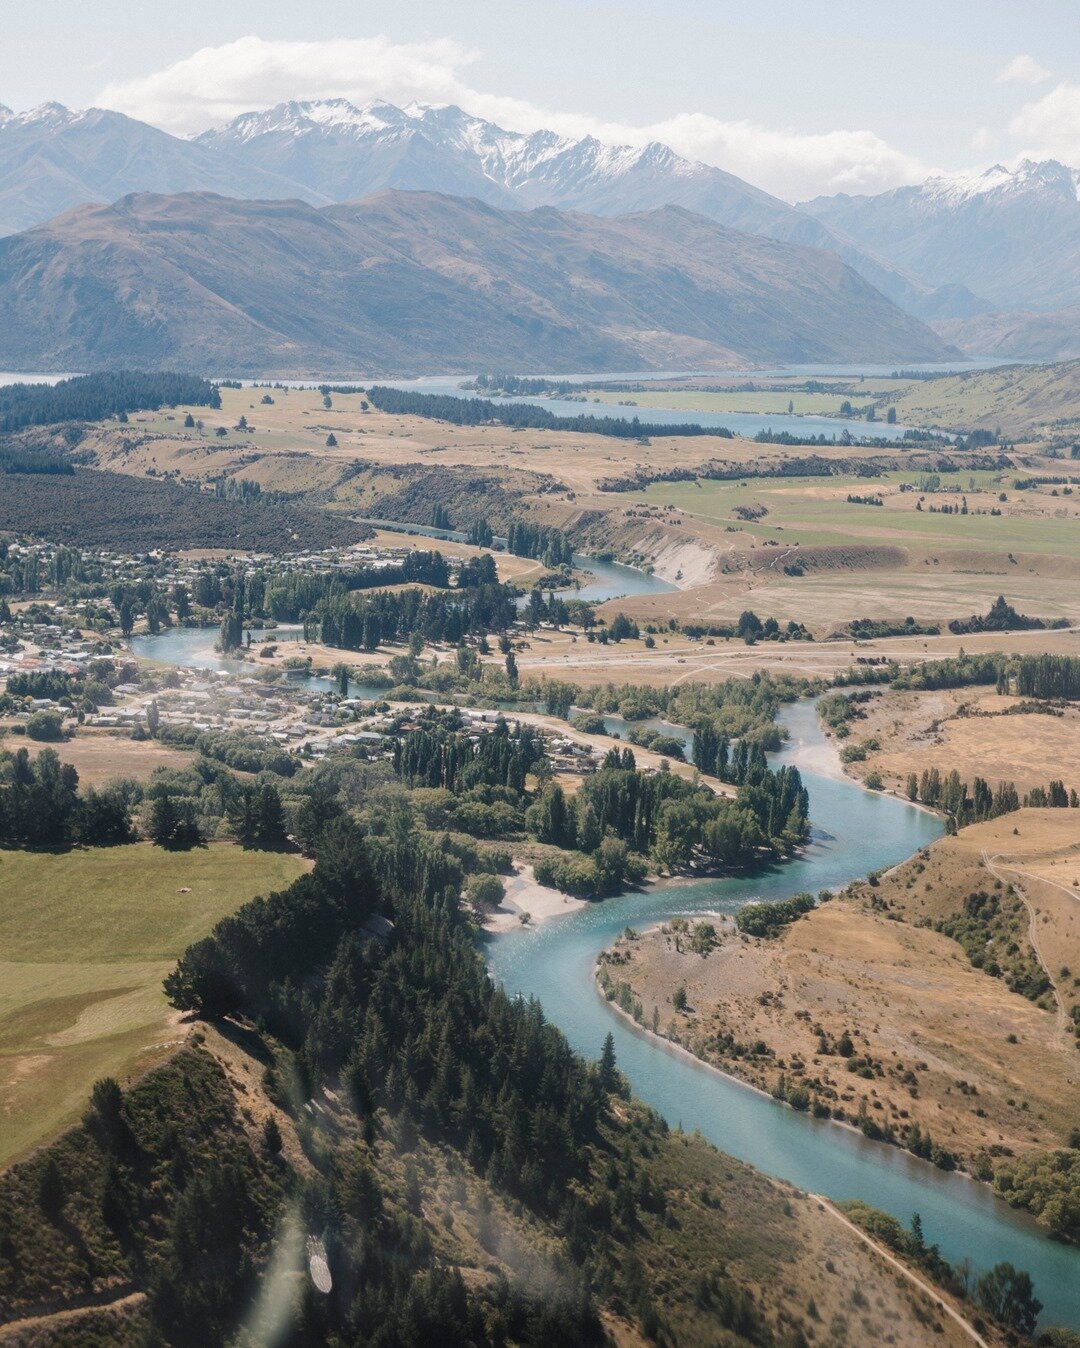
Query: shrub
{"x":485,"y":891}
{"x":47,"y":726}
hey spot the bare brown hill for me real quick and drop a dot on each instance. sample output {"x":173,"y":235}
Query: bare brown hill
{"x":411,"y":280}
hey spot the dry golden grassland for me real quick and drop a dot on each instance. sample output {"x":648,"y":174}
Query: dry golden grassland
{"x":1036,"y":851}
{"x":101,"y":756}
{"x":855,"y":561}
{"x":986,"y":1071}
{"x":912,"y":1004}
{"x":998,"y":738}
{"x":977,"y":731}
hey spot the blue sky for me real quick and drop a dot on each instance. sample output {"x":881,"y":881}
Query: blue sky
{"x":798,"y":98}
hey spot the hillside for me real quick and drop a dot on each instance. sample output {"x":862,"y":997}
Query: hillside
{"x":427,"y":1148}
{"x":1017,"y":398}
{"x":407,"y":281}
{"x":1017,"y":334}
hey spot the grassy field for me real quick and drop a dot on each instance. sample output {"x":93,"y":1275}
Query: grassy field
{"x":810,"y":511}
{"x":86,"y":938}
{"x":765,"y":401}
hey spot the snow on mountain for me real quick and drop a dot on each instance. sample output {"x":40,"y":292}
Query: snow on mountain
{"x":1028,"y":176}
{"x":1012,"y":235}
{"x":342,"y":151}
{"x":53,"y":158}
{"x":330,"y":150}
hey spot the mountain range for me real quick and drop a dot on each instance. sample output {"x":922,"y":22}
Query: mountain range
{"x":330,"y":151}
{"x":1012,"y":235}
{"x":981,"y":256}
{"x":410,"y":281}
{"x":52,"y":159}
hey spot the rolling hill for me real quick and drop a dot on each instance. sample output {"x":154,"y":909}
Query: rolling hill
{"x":404,"y":281}
{"x":1017,"y":334}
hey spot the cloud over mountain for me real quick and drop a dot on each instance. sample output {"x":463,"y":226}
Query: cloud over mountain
{"x":217,"y":83}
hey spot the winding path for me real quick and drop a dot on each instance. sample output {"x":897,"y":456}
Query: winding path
{"x":1033,"y":936}
{"x":927,"y":1288}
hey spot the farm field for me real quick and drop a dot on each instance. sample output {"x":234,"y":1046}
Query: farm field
{"x":931,"y":594}
{"x":100,"y":756}
{"x":689,"y":533}
{"x":813,"y":511}
{"x":287,"y":448}
{"x":86,"y":938}
{"x":678,"y":659}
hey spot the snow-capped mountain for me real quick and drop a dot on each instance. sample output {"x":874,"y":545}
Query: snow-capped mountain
{"x":327,"y":144}
{"x":338,"y":150}
{"x":1030,"y":177}
{"x":53,"y":158}
{"x":1012,"y":235}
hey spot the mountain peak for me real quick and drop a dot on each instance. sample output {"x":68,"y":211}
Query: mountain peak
{"x":1030,"y":175}
{"x":45,"y":115}
{"x":317,"y":117}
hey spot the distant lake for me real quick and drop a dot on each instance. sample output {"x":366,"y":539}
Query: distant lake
{"x":747,"y":424}
{"x":8,"y":377}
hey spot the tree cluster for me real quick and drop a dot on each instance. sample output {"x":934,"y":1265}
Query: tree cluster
{"x":523,"y":416}
{"x":542,"y":541}
{"x":92,"y":397}
{"x":1047,"y":676}
{"x":365,"y":622}
{"x":41,"y":806}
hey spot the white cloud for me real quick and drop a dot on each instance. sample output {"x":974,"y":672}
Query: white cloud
{"x":1050,"y":126}
{"x":792,"y":164}
{"x":216,"y":84}
{"x":1022,"y":69}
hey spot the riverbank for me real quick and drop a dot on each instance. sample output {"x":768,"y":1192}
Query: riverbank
{"x":976,"y":1065}
{"x":527,"y":902}
{"x":937,"y":1295}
